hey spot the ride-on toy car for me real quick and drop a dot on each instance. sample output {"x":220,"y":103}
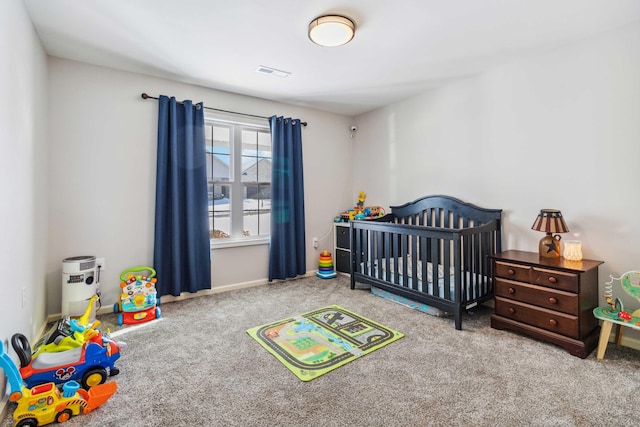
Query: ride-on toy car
{"x":89,"y":364}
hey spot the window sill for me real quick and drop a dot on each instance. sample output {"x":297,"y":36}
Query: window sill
{"x":233,"y":243}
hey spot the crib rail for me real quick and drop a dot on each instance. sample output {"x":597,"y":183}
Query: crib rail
{"x":395,"y":256}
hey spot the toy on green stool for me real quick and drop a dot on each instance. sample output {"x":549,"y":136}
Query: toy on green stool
{"x":325,"y":266}
{"x":630,"y":283}
{"x":44,"y":404}
{"x":138,"y":300}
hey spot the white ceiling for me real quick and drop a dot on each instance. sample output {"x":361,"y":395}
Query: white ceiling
{"x":401,"y":47}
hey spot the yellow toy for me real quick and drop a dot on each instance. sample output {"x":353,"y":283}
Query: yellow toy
{"x":360,"y":205}
{"x":68,"y":333}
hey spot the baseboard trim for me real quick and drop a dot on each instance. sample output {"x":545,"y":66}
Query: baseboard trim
{"x":213,"y":291}
{"x":186,"y":295}
{"x":633,"y":343}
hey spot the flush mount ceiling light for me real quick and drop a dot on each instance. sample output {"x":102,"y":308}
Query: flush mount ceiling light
{"x":331,"y":30}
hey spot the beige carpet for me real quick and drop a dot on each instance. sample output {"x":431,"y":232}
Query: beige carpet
{"x":198,"y":366}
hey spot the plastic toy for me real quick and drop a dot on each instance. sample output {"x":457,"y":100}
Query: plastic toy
{"x":630,"y":283}
{"x":45,"y":404}
{"x":68,"y":333}
{"x":615,"y":312}
{"x":138,"y":301}
{"x":325,"y":266}
{"x":89,"y":364}
{"x":360,"y":211}
{"x":360,"y":205}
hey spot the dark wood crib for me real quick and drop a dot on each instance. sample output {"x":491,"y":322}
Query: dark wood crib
{"x":433,"y":251}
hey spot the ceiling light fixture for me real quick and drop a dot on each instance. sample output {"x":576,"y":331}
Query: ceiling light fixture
{"x":331,"y":30}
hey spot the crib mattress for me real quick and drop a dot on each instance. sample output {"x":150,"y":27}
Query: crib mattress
{"x":409,"y":303}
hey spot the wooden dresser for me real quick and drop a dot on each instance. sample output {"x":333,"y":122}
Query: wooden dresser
{"x":551,"y":299}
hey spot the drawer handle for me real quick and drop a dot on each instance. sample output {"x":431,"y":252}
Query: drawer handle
{"x":553,"y":279}
{"x":552,"y":300}
{"x":553,"y":322}
{"x":512,"y":291}
{"x":512,"y":310}
{"x":511,"y":271}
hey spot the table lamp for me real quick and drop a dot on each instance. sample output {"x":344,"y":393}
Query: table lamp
{"x":550,"y":221}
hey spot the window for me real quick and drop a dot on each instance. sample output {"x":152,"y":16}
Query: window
{"x":239,"y":177}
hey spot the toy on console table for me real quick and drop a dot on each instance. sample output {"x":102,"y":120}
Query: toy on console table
{"x":360,"y":211}
{"x":138,"y":300}
{"x":45,"y":404}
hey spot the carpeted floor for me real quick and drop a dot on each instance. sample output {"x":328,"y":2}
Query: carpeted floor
{"x":198,"y":366}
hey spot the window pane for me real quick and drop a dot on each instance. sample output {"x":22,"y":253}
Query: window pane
{"x":219,"y":211}
{"x":218,"y":149}
{"x":257,"y":210}
{"x":256,"y":156}
{"x":264,"y":144}
{"x":249,"y":143}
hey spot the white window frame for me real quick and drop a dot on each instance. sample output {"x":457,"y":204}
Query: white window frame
{"x":236,"y":184}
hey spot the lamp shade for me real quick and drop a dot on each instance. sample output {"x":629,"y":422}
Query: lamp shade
{"x":550,"y":221}
{"x":331,"y":30}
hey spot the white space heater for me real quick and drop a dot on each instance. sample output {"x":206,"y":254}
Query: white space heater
{"x":80,"y":277}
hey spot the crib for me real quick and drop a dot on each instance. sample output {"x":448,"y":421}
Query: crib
{"x":434,"y":251}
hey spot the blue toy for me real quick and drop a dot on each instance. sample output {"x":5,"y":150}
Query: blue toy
{"x":89,"y":364}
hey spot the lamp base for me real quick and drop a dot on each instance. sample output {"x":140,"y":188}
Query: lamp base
{"x":549,"y":246}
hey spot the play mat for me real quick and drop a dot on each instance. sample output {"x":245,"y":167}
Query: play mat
{"x":319,"y":341}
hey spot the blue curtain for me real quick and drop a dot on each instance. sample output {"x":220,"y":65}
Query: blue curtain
{"x":287,"y":255}
{"x":181,"y":253}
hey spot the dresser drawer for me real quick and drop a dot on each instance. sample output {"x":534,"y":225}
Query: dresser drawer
{"x":512,"y":271}
{"x":538,"y":276}
{"x":555,"y":279}
{"x":561,"y":323}
{"x":566,"y":302}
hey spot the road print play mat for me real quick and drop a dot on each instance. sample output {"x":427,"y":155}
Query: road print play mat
{"x":317,"y":342}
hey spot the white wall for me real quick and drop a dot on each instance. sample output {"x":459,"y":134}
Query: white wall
{"x":559,"y":130}
{"x":102,"y":182}
{"x":23,"y":168}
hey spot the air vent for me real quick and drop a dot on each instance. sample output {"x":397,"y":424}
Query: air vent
{"x":272,"y":71}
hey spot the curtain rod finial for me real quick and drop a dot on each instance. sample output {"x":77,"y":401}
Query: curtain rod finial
{"x":144,"y":95}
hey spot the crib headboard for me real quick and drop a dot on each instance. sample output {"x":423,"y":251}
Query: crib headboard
{"x":444,"y":212}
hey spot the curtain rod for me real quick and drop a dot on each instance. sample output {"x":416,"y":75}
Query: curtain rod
{"x":145,"y":96}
